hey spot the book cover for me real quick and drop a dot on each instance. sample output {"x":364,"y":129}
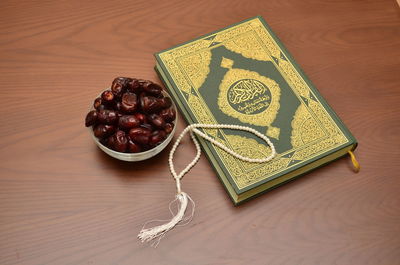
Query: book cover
{"x":243,"y":75}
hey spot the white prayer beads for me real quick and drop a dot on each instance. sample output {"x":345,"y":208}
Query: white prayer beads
{"x":157,"y":232}
{"x":193,"y":129}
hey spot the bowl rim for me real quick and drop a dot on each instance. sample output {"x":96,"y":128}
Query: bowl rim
{"x":116,"y":153}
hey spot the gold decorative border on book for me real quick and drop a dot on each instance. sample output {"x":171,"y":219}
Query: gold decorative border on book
{"x":252,"y":40}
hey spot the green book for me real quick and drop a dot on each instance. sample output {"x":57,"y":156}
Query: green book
{"x":243,"y":75}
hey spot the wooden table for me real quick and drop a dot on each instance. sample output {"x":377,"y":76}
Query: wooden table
{"x":63,"y":201}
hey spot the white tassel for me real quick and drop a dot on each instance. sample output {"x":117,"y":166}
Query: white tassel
{"x":158,"y":232}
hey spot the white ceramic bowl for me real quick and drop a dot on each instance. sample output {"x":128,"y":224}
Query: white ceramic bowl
{"x":132,"y":157}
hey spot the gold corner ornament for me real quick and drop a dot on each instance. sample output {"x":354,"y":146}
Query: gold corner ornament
{"x":249,"y":96}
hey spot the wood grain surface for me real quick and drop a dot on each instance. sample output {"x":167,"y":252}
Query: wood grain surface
{"x":63,"y":201}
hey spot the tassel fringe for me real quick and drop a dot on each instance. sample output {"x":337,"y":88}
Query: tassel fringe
{"x":356,"y":165}
{"x":156,"y":233}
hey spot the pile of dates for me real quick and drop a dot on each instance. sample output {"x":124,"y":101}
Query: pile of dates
{"x":133,"y":116}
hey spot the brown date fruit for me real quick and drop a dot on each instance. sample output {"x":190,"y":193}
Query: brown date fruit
{"x":147,"y":126}
{"x":120,"y":141}
{"x":117,"y":106}
{"x":128,"y":121}
{"x":103,"y":141}
{"x":141,"y":117}
{"x":109,"y":141}
{"x":142,"y":82}
{"x":119,"y":85}
{"x":132,"y":116}
{"x":107,"y":116}
{"x":151,"y":88}
{"x":168,"y":127}
{"x":129,"y":102}
{"x":168,"y":114}
{"x":133,"y":147}
{"x":161,"y":133}
{"x":149,"y":104}
{"x":145,"y":147}
{"x":110,"y":129}
{"x":117,"y":90}
{"x":134,"y":86}
{"x":107,"y":97}
{"x":101,"y":107}
{"x":157,"y":137}
{"x":156,"y":120}
{"x":103,"y":130}
{"x":97,"y":103}
{"x":91,"y":118}
{"x":166,"y":102}
{"x":121,"y":80}
{"x":140,"y":135}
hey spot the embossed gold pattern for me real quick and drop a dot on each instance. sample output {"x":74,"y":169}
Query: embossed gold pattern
{"x":314,"y":130}
{"x":200,"y":112}
{"x":226,"y":63}
{"x":304,"y":128}
{"x":248,"y":46}
{"x":196,"y":66}
{"x":273,"y":132}
{"x":263,"y":118}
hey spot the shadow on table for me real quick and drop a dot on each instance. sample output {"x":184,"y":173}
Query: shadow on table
{"x":129,"y":170}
